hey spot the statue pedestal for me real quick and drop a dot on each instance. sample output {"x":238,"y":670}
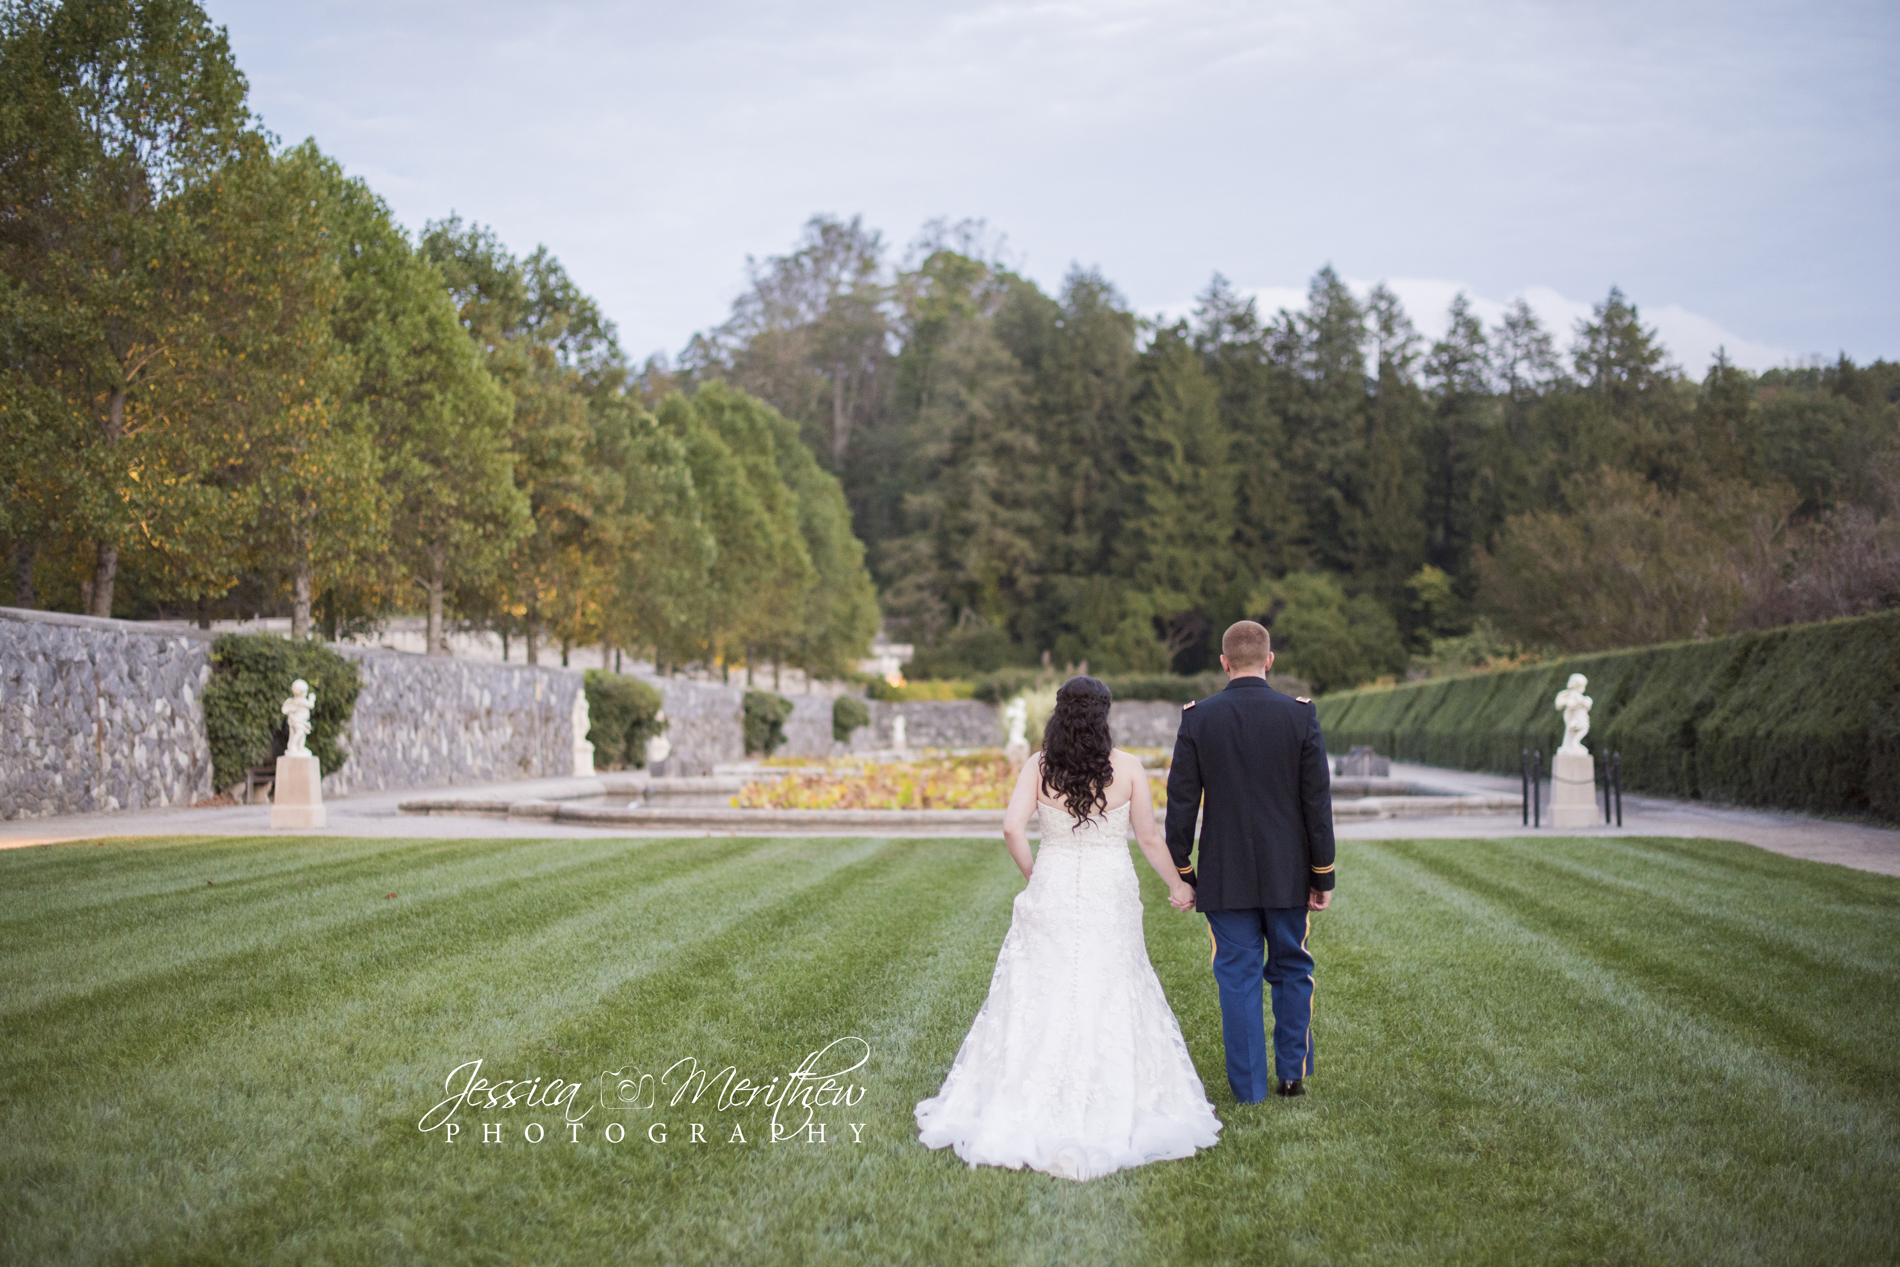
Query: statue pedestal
{"x":297,"y":800}
{"x":1573,"y":790}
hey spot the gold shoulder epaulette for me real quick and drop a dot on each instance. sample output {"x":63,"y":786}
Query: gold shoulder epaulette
{"x":1189,"y":704}
{"x":1302,"y":699}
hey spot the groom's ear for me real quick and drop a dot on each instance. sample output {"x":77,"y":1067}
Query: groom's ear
{"x":1269,"y":667}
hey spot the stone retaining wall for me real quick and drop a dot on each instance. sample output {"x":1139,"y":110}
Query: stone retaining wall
{"x":808,"y":729}
{"x":1144,"y":724}
{"x":99,"y":715}
{"x":433,"y":721}
{"x":705,"y":724}
{"x":931,"y":724}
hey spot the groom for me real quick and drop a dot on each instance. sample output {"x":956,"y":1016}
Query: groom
{"x":1266,"y":856}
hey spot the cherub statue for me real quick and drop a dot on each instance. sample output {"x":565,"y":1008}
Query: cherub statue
{"x":1017,"y":747}
{"x":1575,"y":706}
{"x":298,"y":708}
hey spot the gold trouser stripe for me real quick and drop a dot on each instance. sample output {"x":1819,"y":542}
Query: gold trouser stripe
{"x":1306,"y":1067}
{"x":1213,"y":947}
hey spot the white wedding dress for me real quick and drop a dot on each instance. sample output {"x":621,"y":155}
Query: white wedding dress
{"x":1075,"y":1065}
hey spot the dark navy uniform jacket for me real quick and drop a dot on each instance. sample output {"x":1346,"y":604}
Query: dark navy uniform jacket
{"x":1267,"y":829}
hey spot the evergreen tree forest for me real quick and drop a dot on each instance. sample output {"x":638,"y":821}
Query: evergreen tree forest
{"x":1038,"y":474}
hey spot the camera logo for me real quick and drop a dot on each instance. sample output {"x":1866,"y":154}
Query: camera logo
{"x":625,"y":1088}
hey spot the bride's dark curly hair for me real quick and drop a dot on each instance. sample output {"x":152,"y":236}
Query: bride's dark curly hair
{"x":1075,"y":747}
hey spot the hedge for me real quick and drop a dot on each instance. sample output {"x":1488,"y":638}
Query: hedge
{"x":244,"y":700}
{"x":1805,"y":717}
{"x":622,"y":714}
{"x":848,"y":712}
{"x":765,"y":717}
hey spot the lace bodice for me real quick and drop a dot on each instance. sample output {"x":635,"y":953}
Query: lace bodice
{"x":1107,"y":828}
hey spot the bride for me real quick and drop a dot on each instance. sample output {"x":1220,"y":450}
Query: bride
{"x":1075,"y":1064}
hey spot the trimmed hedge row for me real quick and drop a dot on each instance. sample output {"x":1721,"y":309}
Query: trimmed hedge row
{"x":1805,"y":717}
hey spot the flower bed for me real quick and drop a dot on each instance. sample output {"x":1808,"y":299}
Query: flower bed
{"x":977,"y":781}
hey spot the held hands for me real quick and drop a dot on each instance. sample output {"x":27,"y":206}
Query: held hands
{"x":1181,"y":896}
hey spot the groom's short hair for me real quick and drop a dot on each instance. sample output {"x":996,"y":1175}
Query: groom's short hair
{"x":1246,"y":644}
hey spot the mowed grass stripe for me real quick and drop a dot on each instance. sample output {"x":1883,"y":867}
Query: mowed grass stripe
{"x":1822,"y":911}
{"x":77,"y":946}
{"x":1706,"y":1135}
{"x":331,"y":1027}
{"x":1760,"y":984}
{"x":1503,"y":1076}
{"x":1401,"y":1141}
{"x":248,"y":967}
{"x":849,"y":960}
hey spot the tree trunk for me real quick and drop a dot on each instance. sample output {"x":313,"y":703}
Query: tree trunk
{"x":108,"y":567}
{"x":102,"y":579}
{"x":204,"y":613}
{"x":534,"y":643}
{"x":840,"y":421}
{"x":300,"y":597}
{"x":23,"y":573}
{"x":564,"y":649}
{"x":436,"y":644}
{"x":504,"y":644}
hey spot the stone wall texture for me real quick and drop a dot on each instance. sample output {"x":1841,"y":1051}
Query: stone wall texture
{"x":931,"y":724}
{"x":705,"y":724}
{"x":99,"y":715}
{"x":808,"y":729}
{"x":1144,"y":724}
{"x":432,"y":721}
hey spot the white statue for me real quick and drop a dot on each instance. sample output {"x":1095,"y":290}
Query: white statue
{"x":583,"y":751}
{"x":898,"y":739}
{"x":659,"y":747}
{"x":298,"y":708}
{"x":1017,"y":715}
{"x":1016,"y":748}
{"x":1575,"y":706}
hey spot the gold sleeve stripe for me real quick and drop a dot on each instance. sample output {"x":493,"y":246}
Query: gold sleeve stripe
{"x":1184,"y":870}
{"x":1325,"y":870}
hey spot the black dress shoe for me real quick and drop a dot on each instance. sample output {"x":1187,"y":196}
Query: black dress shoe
{"x":1295,"y":1087}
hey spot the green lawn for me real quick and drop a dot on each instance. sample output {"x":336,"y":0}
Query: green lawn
{"x":1529,"y":1051}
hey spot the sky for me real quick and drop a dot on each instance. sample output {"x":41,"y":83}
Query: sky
{"x":1734,"y":168}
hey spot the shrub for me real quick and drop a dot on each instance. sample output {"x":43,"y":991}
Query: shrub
{"x":765,"y":716}
{"x":250,"y":680}
{"x":913,"y":691}
{"x":1803,"y":717}
{"x":848,"y":712}
{"x":622,"y":714}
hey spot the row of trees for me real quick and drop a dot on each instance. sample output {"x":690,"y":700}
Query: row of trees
{"x":230,"y":382}
{"x":1037,"y":473}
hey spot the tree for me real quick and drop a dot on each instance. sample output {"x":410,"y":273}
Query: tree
{"x":810,"y":336}
{"x":111,"y":110}
{"x":440,"y":420}
{"x":1325,"y":637}
{"x":1176,"y":537}
{"x":549,"y":347}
